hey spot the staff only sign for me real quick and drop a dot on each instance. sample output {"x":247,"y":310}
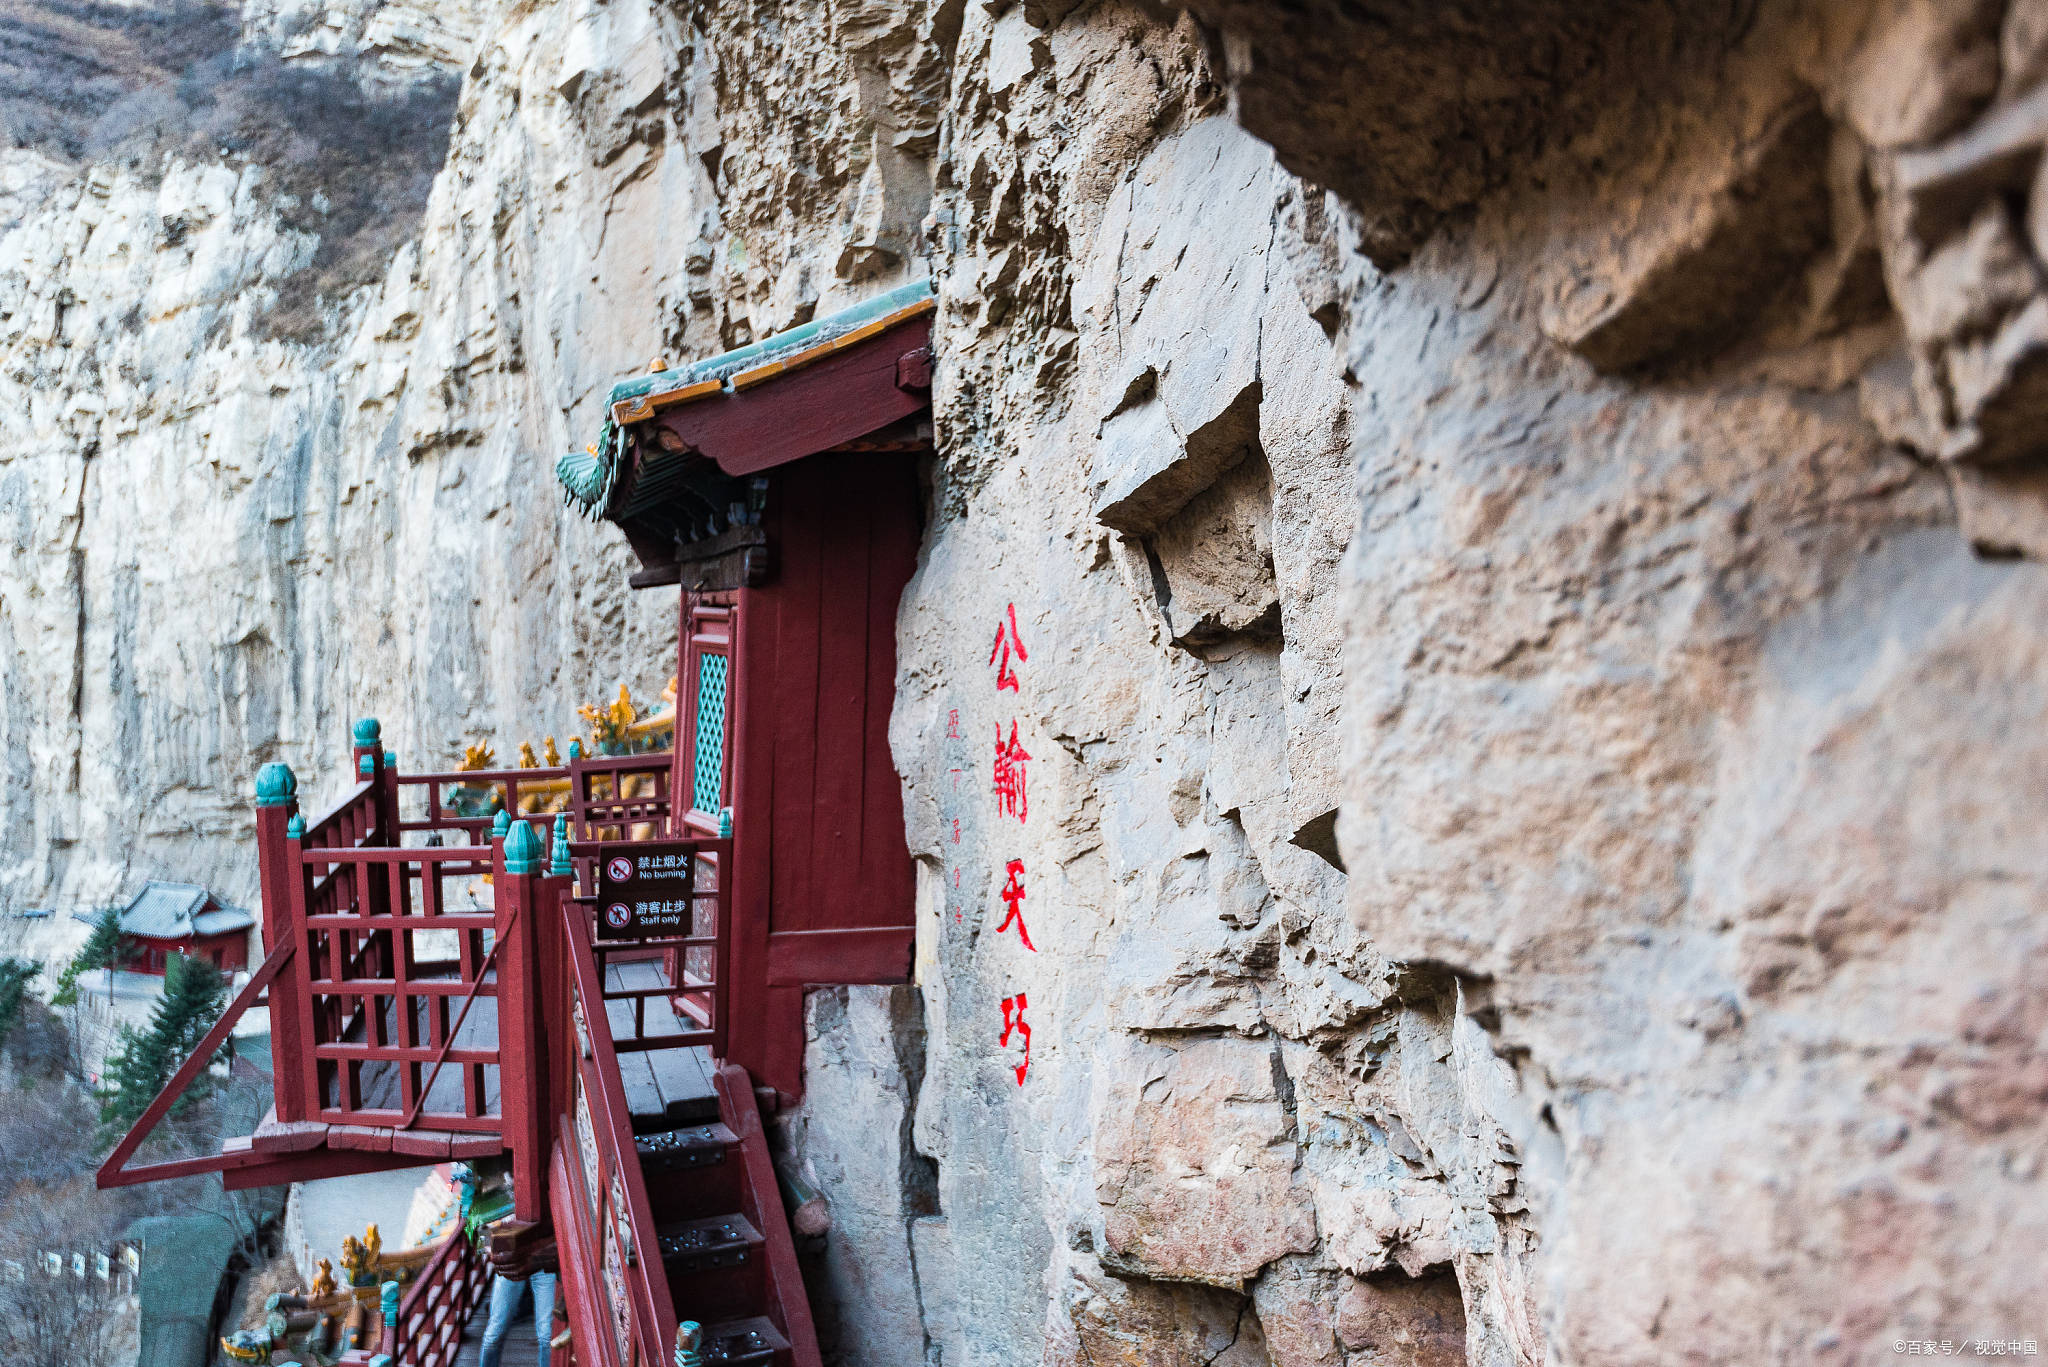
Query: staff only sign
{"x":647,"y":892}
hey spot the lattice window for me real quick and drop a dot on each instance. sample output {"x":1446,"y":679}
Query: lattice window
{"x":708,"y":783}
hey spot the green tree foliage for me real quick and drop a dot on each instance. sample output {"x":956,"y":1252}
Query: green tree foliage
{"x":102,"y":950}
{"x":15,"y":976}
{"x":194,"y":995}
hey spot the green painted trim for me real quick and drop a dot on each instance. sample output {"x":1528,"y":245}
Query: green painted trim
{"x":276,"y":785}
{"x":522,"y":849}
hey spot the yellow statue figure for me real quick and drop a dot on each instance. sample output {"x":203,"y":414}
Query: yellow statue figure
{"x":527,"y":759}
{"x":355,"y":1261}
{"x":374,"y":1242}
{"x":550,"y":754}
{"x":475,"y":757}
{"x":608,"y":726}
{"x":323,"y":1278}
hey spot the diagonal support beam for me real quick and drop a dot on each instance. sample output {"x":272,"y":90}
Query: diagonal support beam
{"x":115,"y":1172}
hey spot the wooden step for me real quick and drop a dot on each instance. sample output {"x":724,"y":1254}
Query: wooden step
{"x":721,"y":1241}
{"x":716,"y":1267}
{"x":731,"y":1343}
{"x":696,"y":1146}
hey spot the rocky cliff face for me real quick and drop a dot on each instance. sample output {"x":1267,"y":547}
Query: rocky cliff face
{"x":1520,"y":523}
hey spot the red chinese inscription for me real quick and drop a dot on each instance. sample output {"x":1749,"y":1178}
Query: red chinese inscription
{"x":1016,"y":1026}
{"x":953,"y":724}
{"x":956,"y":830}
{"x":1013,"y":897}
{"x":1007,"y":643}
{"x":1009,"y":774}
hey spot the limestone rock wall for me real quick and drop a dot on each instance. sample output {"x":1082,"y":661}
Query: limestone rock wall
{"x":1508,"y":535}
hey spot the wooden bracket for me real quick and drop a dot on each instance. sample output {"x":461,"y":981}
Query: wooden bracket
{"x":914,"y":371}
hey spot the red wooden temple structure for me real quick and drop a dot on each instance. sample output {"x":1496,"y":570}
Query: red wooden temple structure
{"x":619,"y":1009}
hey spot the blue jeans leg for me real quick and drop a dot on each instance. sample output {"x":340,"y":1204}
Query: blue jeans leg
{"x":543,"y":1284}
{"x":505,"y":1298}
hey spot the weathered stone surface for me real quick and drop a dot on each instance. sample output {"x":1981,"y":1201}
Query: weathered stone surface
{"x":1403,"y":1322}
{"x":1532,"y":848}
{"x":1195,"y":1161}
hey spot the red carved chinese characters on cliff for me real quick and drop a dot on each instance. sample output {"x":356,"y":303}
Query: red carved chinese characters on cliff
{"x":1009,"y":774}
{"x":1019,"y":1028}
{"x":1007,"y":642}
{"x":1013,"y":898}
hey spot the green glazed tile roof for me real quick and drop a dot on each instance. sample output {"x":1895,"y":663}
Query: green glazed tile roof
{"x":587,"y":478}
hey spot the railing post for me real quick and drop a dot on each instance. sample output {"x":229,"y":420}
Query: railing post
{"x":277,"y":805}
{"x":390,"y":1341}
{"x":366,"y":758}
{"x":366,"y":752}
{"x":554,"y":889}
{"x":517,"y":880}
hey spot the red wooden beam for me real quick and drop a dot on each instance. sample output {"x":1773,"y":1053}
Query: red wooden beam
{"x":522,"y":1056}
{"x":114,"y":1172}
{"x":828,"y":403}
{"x":872,"y":954}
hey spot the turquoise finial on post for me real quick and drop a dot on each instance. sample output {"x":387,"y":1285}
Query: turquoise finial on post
{"x":367,"y":766}
{"x":390,"y":1302}
{"x":575,"y":748}
{"x":689,"y":1338}
{"x":725,"y":823}
{"x":295,"y":829}
{"x":561,"y":867}
{"x":276,"y":785}
{"x":367,"y":732}
{"x":501,"y":824}
{"x":522,"y":849}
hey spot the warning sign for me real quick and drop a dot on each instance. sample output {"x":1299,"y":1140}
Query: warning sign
{"x":646,"y":891}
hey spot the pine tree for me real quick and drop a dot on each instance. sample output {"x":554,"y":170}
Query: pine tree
{"x":15,"y":976}
{"x":194,"y":995}
{"x":102,"y":950}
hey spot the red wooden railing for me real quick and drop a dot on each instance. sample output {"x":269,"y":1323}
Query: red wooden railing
{"x":602,"y":1170}
{"x":379,"y":966}
{"x":700,"y":991}
{"x":599,"y":805}
{"x":372,"y":1005}
{"x":438,"y":1306}
{"x":513,"y":787}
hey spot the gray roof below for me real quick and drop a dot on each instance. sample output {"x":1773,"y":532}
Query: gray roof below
{"x":173,"y":911}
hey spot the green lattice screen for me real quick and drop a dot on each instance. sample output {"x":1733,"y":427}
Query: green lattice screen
{"x":709,"y":784}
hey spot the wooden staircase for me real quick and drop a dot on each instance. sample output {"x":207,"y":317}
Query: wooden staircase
{"x":722,"y":1235}
{"x":681,"y":1156}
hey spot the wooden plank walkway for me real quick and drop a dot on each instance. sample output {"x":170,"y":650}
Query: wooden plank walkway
{"x":665,"y":1088}
{"x":479,"y":1031}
